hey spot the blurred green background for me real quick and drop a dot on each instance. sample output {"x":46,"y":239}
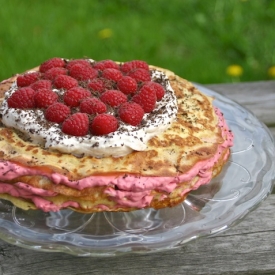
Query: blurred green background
{"x":207,"y":41}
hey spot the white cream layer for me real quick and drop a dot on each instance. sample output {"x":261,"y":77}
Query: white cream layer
{"x":120,"y":143}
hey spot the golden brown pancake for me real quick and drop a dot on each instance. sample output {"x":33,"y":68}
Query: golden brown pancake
{"x":195,"y":145}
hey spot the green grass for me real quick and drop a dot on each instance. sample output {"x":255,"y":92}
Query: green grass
{"x":197,"y":39}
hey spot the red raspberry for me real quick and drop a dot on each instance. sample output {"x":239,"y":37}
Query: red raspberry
{"x":92,"y":105}
{"x":76,"y":125}
{"x":131,"y":113}
{"x":112,"y":74}
{"x":22,"y":98}
{"x":72,"y":62}
{"x":57,"y":112}
{"x":51,"y":63}
{"x":134,"y":64}
{"x":157,"y":88}
{"x":65,"y":82}
{"x":44,"y":98}
{"x":140,"y":75}
{"x":82,"y":72}
{"x":113,"y":98}
{"x":52,"y":73}
{"x":73,"y":96}
{"x":127,"y":85}
{"x":106,"y":64}
{"x":96,"y":85}
{"x":103,"y":124}
{"x":27,"y":79}
{"x":146,"y":98}
{"x":41,"y":84}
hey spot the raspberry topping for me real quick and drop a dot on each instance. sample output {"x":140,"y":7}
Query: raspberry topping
{"x":65,"y":82}
{"x":106,"y":64}
{"x":131,"y":113}
{"x":83,"y":72}
{"x":157,"y":88}
{"x":57,"y":112}
{"x":92,"y":105}
{"x":44,"y":98}
{"x":112,"y":74}
{"x":146,"y":99}
{"x":113,"y":98}
{"x":84,"y":62}
{"x":103,"y":124}
{"x":76,"y":125}
{"x":51,"y":63}
{"x":52,"y":73}
{"x":134,"y":64}
{"x":127,"y":85}
{"x":73,"y":96}
{"x":22,"y":98}
{"x":27,"y":79}
{"x":87,"y":97}
{"x":41,"y":84}
{"x":96,"y":85}
{"x":140,"y":74}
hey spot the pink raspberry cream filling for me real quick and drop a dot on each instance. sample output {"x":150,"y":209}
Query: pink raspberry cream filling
{"x":131,"y":190}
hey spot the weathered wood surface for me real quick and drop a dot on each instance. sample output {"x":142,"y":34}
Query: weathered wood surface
{"x":258,"y":97}
{"x":247,"y":248}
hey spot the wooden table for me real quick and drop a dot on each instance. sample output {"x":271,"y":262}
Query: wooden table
{"x":248,"y":248}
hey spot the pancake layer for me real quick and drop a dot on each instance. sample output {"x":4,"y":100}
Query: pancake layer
{"x":188,"y":154}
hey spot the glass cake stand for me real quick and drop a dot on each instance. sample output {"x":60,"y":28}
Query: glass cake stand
{"x":245,"y":181}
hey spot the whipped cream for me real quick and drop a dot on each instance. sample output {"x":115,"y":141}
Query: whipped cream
{"x":119,"y":143}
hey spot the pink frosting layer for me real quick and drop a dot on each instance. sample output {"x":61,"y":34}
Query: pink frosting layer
{"x":131,"y":191}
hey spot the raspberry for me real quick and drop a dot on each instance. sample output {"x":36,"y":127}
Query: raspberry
{"x":83,"y":72}
{"x":57,"y":112}
{"x":146,"y":98}
{"x":92,"y":105}
{"x":44,"y":98}
{"x":27,"y":79}
{"x":71,"y":63}
{"x":103,"y":124}
{"x":76,"y":125}
{"x":131,"y":113}
{"x":157,"y":88}
{"x":96,"y":85}
{"x":52,"y":73}
{"x":127,"y":85}
{"x":22,"y":98}
{"x":140,"y":74}
{"x":106,"y":64}
{"x":113,"y":98}
{"x":65,"y":82}
{"x":73,"y":96}
{"x":134,"y":64}
{"x":41,"y":84}
{"x":112,"y":74}
{"x":51,"y":63}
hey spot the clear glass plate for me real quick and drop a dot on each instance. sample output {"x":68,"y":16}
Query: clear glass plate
{"x":245,"y":181}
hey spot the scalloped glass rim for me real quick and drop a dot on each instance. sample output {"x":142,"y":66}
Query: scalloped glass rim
{"x":246,"y":180}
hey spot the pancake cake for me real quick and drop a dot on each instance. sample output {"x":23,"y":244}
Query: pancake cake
{"x":98,"y":136}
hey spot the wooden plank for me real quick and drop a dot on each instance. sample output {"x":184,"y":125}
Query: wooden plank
{"x":258,"y":97}
{"x":247,"y":248}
